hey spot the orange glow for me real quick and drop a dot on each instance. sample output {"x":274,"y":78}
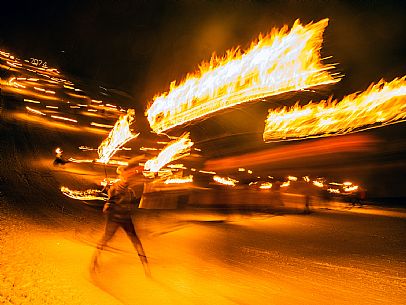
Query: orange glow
{"x":101,"y":125}
{"x":225,"y":180}
{"x":118,"y":136}
{"x":265,"y":186}
{"x":187,"y":179}
{"x":349,"y":143}
{"x":173,"y":151}
{"x":285,"y":184}
{"x":279,"y":62}
{"x":381,"y":104}
{"x":83,"y":195}
{"x":351,"y":188}
{"x":318,"y":183}
{"x":34,"y":111}
{"x":63,"y":118}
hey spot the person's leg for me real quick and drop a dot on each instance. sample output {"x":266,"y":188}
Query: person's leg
{"x":110,"y":230}
{"x":129,"y":229}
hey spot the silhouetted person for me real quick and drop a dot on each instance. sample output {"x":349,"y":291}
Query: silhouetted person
{"x":59,"y":160}
{"x":305,"y":188}
{"x":123,"y":198}
{"x":276,"y":194}
{"x":358,"y":197}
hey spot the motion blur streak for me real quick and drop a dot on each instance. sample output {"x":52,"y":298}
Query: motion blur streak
{"x":173,"y":151}
{"x":118,"y":136}
{"x":181,"y":180}
{"x":83,"y":195}
{"x":279,"y":62}
{"x":225,"y":180}
{"x":381,"y":104}
{"x":352,"y":143}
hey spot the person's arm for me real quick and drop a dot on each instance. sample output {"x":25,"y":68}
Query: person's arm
{"x":110,"y":193}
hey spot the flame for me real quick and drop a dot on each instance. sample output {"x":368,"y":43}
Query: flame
{"x":285,"y":184}
{"x":173,"y":151}
{"x":265,"y":186}
{"x":318,"y":183}
{"x":381,"y":104}
{"x":279,"y":62}
{"x":83,"y":195}
{"x":351,"y":188}
{"x":186,"y":179}
{"x":225,"y":180}
{"x":118,"y":136}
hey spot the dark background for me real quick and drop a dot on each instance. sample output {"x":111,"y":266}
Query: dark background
{"x":139,"y":47}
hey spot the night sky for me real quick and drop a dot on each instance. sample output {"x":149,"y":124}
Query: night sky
{"x":141,"y":46}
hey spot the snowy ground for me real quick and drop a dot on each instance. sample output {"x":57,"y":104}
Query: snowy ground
{"x":336,"y":255}
{"x":207,"y":258}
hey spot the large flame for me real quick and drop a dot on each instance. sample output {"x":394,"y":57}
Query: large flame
{"x":173,"y":151}
{"x":118,"y":136}
{"x":381,"y":104}
{"x":282,"y":61}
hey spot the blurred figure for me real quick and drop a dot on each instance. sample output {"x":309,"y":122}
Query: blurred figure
{"x":305,"y":188}
{"x":276,"y":196}
{"x":124,"y":197}
{"x":359,"y":197}
{"x":59,"y":160}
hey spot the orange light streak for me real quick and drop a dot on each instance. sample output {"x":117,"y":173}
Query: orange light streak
{"x":225,"y":180}
{"x":381,"y":104}
{"x":265,"y":186}
{"x":187,"y":179}
{"x":118,"y":136}
{"x":31,"y":101}
{"x":84,"y":195}
{"x":63,"y":118}
{"x":279,"y":62}
{"x":101,"y":125}
{"x":35,"y":111}
{"x":327,"y":146}
{"x":173,"y":151}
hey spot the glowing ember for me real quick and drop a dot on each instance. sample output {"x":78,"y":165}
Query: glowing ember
{"x":280,"y":62}
{"x":318,"y":183}
{"x":173,"y":151}
{"x":83,"y":195}
{"x":118,"y":136}
{"x":265,"y":186}
{"x":351,"y":188}
{"x":225,"y":180}
{"x":334,"y":191}
{"x":285,"y":184}
{"x":381,"y":104}
{"x":186,"y":179}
